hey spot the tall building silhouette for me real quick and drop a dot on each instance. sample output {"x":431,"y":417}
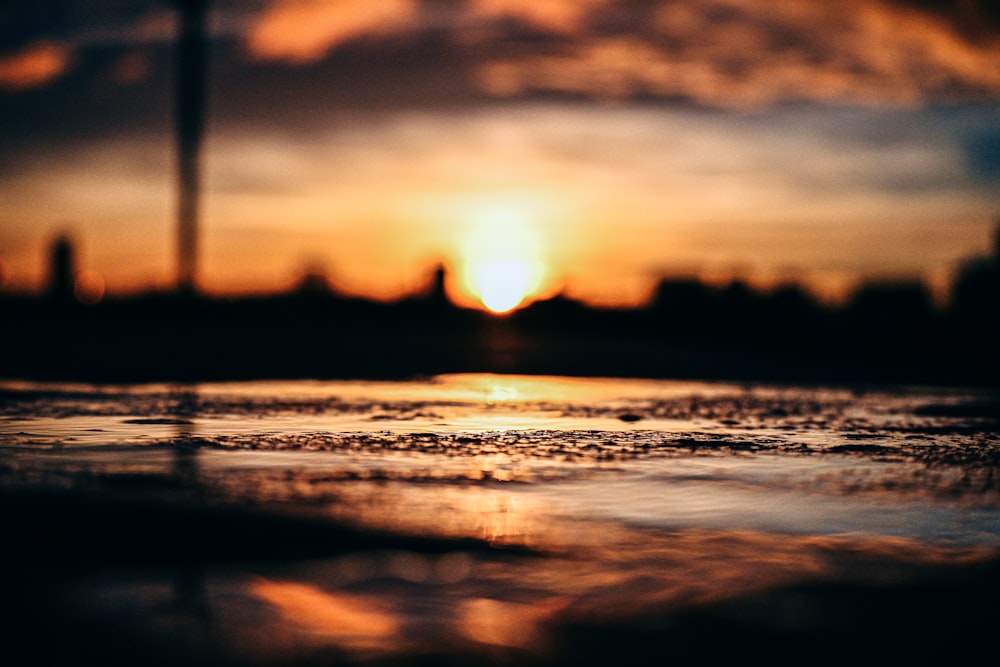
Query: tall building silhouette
{"x":437,"y":293}
{"x":62,"y":269}
{"x":190,"y":100}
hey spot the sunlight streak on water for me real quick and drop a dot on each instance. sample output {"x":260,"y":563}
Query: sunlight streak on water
{"x":650,"y":452}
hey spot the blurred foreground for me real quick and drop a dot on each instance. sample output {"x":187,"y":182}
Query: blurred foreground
{"x":488,"y":519}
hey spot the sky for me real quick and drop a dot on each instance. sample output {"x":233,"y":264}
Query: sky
{"x":583,"y":147}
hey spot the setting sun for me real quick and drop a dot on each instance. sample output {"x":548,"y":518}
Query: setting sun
{"x":502,"y":284}
{"x":502,"y":264}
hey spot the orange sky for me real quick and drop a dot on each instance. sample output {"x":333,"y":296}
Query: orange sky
{"x":372,"y":140}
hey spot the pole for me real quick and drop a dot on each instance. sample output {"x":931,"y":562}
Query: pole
{"x":190,"y":129}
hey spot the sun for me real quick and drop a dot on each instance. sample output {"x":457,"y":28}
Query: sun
{"x":502,"y":284}
{"x":501,"y":257}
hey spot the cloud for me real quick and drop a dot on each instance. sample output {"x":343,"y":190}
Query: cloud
{"x":741,"y":53}
{"x":551,"y":15}
{"x":34,"y":66}
{"x":304,"y":31}
{"x":721,"y":53}
{"x":132,"y":68}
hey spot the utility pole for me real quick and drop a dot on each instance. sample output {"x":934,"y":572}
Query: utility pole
{"x":190,"y":111}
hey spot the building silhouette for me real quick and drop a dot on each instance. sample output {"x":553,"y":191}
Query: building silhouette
{"x":976,"y":294}
{"x":62,"y":270}
{"x":437,"y":294}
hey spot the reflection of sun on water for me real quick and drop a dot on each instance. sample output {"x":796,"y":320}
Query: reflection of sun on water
{"x":501,"y":257}
{"x":500,"y":391}
{"x":352,"y":621}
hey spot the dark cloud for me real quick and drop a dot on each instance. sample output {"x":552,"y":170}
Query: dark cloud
{"x":983,"y":151}
{"x":739,"y":53}
{"x":975,"y":17}
{"x":24,"y":22}
{"x":116,"y":74}
{"x":728,"y":53}
{"x":69,"y":21}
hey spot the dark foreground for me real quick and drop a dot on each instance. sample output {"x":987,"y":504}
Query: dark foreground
{"x":876,"y":611}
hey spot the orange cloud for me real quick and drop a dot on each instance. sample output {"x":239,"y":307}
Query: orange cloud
{"x":741,"y":53}
{"x":555,"y":15}
{"x":304,"y":31}
{"x":34,"y":66}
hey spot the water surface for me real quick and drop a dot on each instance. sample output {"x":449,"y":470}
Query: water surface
{"x":492,"y":518}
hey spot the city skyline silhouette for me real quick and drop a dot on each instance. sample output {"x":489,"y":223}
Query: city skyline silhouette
{"x":887,"y":332}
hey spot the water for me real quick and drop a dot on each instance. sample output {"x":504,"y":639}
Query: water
{"x":503,"y":519}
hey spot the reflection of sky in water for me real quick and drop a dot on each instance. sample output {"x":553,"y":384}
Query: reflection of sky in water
{"x":632,"y":496}
{"x":652,"y":453}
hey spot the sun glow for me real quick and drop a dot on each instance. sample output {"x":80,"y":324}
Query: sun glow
{"x":502,"y":258}
{"x":502,"y":283}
